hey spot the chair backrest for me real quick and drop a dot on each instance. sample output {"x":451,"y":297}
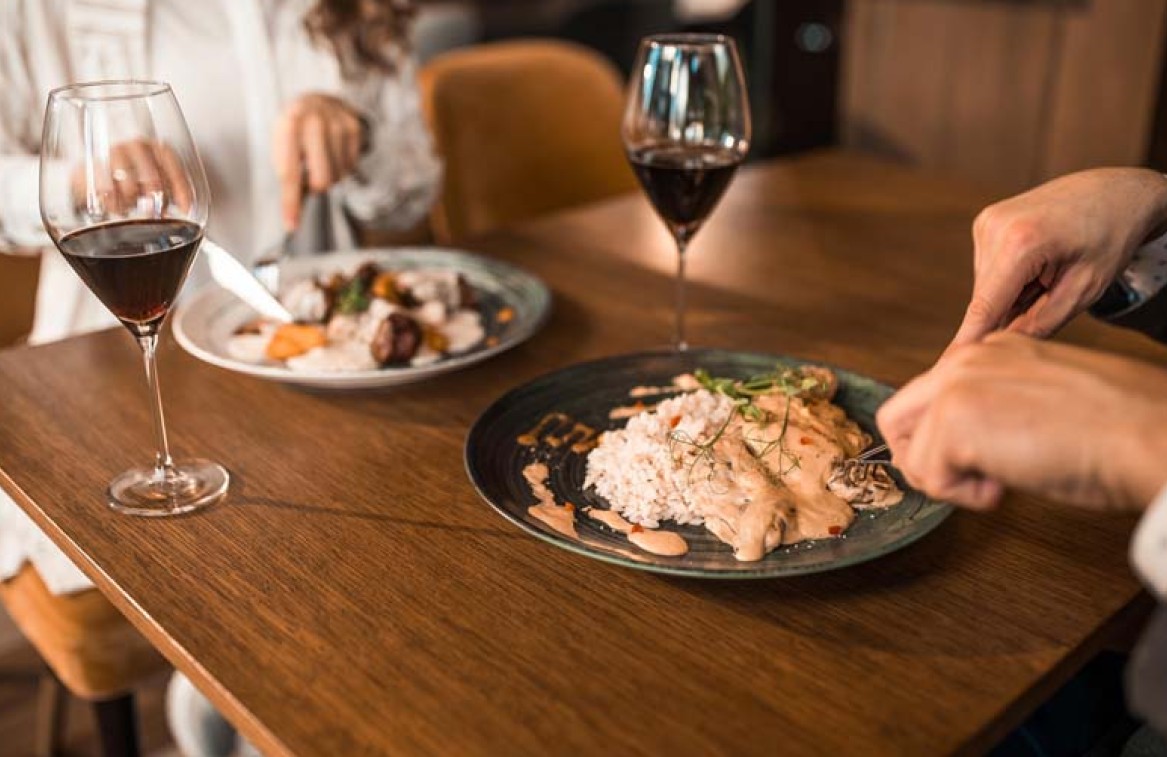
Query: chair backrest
{"x":525,"y":128}
{"x":18,"y":278}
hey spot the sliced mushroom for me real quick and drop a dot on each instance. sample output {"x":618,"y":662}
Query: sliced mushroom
{"x":863,"y":485}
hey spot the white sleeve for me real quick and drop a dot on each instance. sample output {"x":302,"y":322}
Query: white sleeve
{"x":1149,"y":547}
{"x":397,"y":179}
{"x":20,"y":218}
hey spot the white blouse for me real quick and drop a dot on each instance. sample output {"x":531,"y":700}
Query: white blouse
{"x":234,"y":65}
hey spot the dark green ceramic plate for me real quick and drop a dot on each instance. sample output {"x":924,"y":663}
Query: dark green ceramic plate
{"x":587,"y":391}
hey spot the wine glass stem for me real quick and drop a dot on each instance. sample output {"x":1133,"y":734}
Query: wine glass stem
{"x":679,"y":341}
{"x":162,"y":462}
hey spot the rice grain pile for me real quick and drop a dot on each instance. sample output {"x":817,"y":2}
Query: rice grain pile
{"x":644,"y":471}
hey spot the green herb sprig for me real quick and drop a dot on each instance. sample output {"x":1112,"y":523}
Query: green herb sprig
{"x":353,"y":298}
{"x":789,"y":381}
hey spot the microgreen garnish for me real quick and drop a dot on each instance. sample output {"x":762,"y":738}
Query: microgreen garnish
{"x":353,"y":298}
{"x":791,"y":382}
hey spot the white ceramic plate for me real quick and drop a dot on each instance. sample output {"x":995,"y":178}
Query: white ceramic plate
{"x":204,"y":324}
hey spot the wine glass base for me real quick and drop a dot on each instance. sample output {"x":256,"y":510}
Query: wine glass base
{"x":187,"y":486}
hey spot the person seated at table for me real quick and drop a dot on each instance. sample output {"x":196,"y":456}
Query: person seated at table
{"x":283,"y":98}
{"x":1003,"y":410}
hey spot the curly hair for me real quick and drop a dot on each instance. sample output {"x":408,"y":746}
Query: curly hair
{"x":365,"y":34}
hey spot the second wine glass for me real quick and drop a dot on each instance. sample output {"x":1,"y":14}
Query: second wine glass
{"x":686,"y":129}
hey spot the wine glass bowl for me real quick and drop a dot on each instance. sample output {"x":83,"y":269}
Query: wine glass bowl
{"x":686,"y":129}
{"x":125,"y":200}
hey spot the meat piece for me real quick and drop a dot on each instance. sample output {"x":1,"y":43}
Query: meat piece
{"x":467,"y":297}
{"x":826,"y":382}
{"x":397,"y":340}
{"x":864,"y":485}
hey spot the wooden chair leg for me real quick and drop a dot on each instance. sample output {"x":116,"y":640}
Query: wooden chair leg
{"x":51,"y":711}
{"x":117,"y":724}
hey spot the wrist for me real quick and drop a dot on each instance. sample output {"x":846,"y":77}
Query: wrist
{"x":1155,"y":223}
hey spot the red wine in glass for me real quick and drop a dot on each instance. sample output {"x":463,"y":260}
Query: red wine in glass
{"x":684,"y":182}
{"x":686,"y":129}
{"x":125,"y":199}
{"x":135,"y":267}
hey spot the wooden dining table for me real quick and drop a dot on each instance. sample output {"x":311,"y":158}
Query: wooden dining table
{"x":354,"y":595}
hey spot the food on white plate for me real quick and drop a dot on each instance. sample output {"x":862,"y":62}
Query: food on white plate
{"x":761,"y":462}
{"x":368,"y":319}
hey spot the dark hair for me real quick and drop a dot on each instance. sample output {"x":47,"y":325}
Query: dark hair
{"x":365,"y":34}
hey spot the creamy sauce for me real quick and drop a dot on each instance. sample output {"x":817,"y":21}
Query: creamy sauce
{"x":248,"y":348}
{"x":464,"y":330}
{"x":685,"y":382}
{"x":560,"y":518}
{"x":547,"y":423}
{"x":339,"y":357}
{"x":664,"y":543}
{"x":611,"y":519}
{"x":582,"y":437}
{"x":626,"y":411}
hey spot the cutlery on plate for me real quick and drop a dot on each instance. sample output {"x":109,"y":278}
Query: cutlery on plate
{"x":233,"y":276}
{"x":867,"y":457}
{"x":267,"y":270}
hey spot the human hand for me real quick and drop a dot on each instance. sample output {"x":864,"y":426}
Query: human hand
{"x":138,"y":172}
{"x":1044,"y":256}
{"x":1077,"y":426}
{"x":317,"y":143}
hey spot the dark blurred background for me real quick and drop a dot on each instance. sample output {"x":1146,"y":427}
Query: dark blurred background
{"x":1009,"y":92}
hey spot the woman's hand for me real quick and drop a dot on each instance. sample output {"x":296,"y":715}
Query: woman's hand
{"x":138,"y":173}
{"x":1062,"y":422}
{"x":317,"y":143}
{"x":1044,"y":256}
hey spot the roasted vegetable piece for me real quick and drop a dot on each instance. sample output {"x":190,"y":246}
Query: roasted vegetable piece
{"x":294,"y":339}
{"x":385,"y":287}
{"x":434,"y":339}
{"x":397,"y":340}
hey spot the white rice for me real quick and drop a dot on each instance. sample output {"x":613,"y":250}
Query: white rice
{"x":645,"y":469}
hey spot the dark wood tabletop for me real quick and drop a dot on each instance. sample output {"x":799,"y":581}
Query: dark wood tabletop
{"x":354,"y":595}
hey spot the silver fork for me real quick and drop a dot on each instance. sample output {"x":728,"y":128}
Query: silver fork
{"x":865,"y":457}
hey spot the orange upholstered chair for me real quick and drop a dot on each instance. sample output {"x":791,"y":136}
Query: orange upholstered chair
{"x":92,"y":650}
{"x":525,"y":128}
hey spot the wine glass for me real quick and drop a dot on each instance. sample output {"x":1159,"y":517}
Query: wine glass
{"x":686,"y":129}
{"x":124,"y":198}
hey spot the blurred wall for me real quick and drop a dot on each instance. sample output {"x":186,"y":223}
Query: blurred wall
{"x":1010,"y":92}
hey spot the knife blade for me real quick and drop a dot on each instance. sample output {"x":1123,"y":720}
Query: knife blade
{"x":233,"y":276}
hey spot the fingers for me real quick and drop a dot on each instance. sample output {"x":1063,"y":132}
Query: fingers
{"x":898,"y":417}
{"x":941,"y":458}
{"x":316,"y":144}
{"x":175,"y":180}
{"x":122,"y":179}
{"x":1056,"y":307}
{"x":286,"y":151}
{"x":994,"y":293}
{"x":318,"y":155}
